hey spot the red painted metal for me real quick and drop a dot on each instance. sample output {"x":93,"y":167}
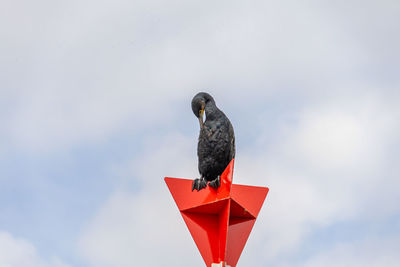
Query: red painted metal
{"x":219,"y":220}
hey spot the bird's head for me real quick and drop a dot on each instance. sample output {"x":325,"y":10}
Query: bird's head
{"x":199,"y":103}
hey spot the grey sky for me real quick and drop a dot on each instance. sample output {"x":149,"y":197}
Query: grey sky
{"x":95,"y":111}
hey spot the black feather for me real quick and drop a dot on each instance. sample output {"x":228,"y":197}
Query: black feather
{"x":216,"y":146}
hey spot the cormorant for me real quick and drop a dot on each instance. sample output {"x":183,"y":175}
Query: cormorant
{"x":216,"y":146}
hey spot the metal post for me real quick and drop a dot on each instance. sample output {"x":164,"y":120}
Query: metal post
{"x":221,"y":264}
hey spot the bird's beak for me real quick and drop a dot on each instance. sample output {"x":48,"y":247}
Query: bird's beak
{"x":201,"y":112}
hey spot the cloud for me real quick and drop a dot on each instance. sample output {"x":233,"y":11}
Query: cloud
{"x":372,"y":252}
{"x":313,"y":168}
{"x":144,"y":228}
{"x":327,"y":167}
{"x":92,"y":70}
{"x":17,"y":252}
{"x":83,"y":72}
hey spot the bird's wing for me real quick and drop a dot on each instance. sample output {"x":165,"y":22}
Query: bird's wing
{"x":213,"y":130}
{"x":217,"y":132}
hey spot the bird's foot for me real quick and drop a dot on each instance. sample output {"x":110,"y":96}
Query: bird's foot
{"x":199,"y":183}
{"x":215,"y":183}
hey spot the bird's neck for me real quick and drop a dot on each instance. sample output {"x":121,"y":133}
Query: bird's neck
{"x":212,"y":111}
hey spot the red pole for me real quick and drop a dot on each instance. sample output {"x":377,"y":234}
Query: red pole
{"x":219,"y":220}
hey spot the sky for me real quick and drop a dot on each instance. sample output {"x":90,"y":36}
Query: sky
{"x":95,"y":112}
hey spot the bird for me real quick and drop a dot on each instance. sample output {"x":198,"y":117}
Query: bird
{"x":216,"y":143}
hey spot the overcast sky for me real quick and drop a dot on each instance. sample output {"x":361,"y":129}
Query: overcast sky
{"x":95,"y":112}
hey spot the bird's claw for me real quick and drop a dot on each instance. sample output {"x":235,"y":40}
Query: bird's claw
{"x":215,"y":183}
{"x":199,"y":183}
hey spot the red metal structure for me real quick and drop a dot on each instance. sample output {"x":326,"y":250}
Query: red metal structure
{"x":219,"y":220}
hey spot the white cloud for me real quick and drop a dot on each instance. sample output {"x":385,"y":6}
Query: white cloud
{"x":81,"y":74}
{"x":145,"y":228}
{"x":372,"y":252}
{"x":324,"y":169}
{"x":18,"y":252}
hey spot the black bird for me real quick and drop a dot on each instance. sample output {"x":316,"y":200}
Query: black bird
{"x":216,"y":147}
